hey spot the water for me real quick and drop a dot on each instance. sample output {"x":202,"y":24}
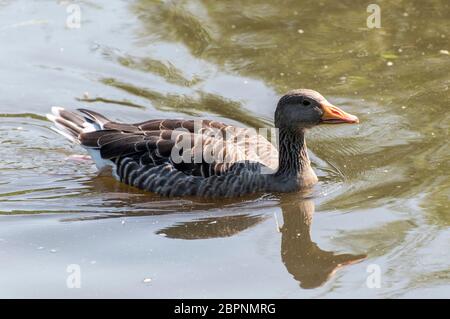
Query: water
{"x":384,"y":188}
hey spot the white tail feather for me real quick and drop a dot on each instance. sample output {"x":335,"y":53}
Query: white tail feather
{"x":71,"y":131}
{"x":66,"y":135}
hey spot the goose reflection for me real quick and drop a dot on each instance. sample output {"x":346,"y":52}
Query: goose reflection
{"x":310,"y":265}
{"x":213,"y":227}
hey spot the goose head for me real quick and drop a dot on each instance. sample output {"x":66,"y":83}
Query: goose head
{"x":303,"y":108}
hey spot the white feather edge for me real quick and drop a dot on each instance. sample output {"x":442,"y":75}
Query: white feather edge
{"x":101,"y":164}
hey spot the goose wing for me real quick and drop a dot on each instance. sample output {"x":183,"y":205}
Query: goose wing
{"x":197,"y":147}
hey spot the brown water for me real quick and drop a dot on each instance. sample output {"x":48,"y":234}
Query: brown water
{"x":384,"y":185}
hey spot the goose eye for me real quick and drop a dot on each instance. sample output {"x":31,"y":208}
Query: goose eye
{"x":306,"y":103}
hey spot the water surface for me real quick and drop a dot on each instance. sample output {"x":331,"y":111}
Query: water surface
{"x":383,"y":193}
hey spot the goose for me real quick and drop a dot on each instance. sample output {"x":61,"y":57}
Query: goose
{"x":204,"y":158}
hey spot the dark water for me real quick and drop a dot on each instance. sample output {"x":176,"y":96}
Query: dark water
{"x":383,"y":195}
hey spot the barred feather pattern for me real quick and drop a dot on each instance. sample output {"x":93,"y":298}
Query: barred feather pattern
{"x":165,"y":179}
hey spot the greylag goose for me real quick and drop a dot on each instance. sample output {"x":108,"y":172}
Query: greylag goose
{"x":206,"y":158}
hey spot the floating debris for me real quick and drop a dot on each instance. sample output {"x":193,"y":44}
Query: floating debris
{"x":300,"y":31}
{"x":444,"y":52}
{"x":390,"y":63}
{"x":147,"y":280}
{"x":389,"y":55}
{"x":53,"y":251}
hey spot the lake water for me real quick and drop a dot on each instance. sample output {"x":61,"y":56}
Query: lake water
{"x":379,"y":215}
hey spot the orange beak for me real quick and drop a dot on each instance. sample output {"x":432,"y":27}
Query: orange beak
{"x":334,"y":115}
